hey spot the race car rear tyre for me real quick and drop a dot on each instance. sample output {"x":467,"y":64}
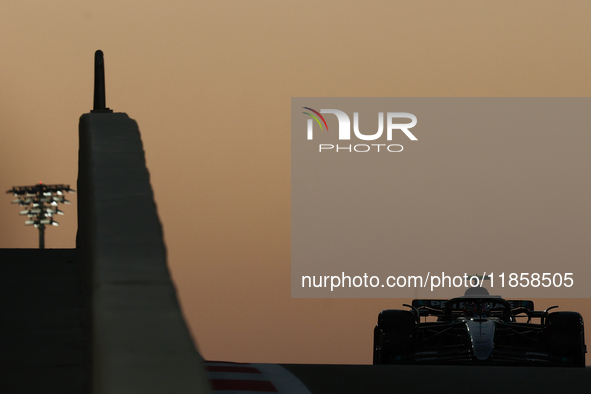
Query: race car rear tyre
{"x":566,"y":337}
{"x":394,"y":336}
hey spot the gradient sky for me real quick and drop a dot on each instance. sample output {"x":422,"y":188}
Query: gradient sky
{"x":210,"y":85}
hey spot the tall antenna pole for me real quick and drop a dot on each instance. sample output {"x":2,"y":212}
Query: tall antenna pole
{"x":99,"y":83}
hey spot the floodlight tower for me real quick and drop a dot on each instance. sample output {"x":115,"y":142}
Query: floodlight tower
{"x":41,"y":201}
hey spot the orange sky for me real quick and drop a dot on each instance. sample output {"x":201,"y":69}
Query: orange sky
{"x":210,"y":85}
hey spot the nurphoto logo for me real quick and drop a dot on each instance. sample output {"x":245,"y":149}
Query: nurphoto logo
{"x":344,"y":132}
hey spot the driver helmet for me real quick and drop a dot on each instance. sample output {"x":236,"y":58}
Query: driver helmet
{"x":473,"y":309}
{"x":469,"y":309}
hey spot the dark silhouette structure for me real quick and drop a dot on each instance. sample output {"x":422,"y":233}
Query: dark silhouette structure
{"x":104,"y":317}
{"x":44,"y":336}
{"x":140,"y":341}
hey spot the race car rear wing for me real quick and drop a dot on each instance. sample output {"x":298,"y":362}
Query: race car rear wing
{"x":507,"y":309}
{"x":439,"y":304}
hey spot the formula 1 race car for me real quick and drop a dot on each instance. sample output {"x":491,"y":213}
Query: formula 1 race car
{"x":479,"y":329}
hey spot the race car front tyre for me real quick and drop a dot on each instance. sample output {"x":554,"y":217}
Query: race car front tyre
{"x":566,"y":337}
{"x":394,"y":337}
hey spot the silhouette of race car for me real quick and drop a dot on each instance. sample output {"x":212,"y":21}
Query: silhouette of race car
{"x":479,"y":329}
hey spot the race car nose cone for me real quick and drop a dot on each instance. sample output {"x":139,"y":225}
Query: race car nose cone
{"x":482,"y":333}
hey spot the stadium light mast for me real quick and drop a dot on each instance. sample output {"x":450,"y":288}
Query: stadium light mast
{"x":41,"y":202}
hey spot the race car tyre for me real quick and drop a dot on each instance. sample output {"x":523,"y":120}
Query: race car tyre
{"x":566,"y":337}
{"x":394,"y":336}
